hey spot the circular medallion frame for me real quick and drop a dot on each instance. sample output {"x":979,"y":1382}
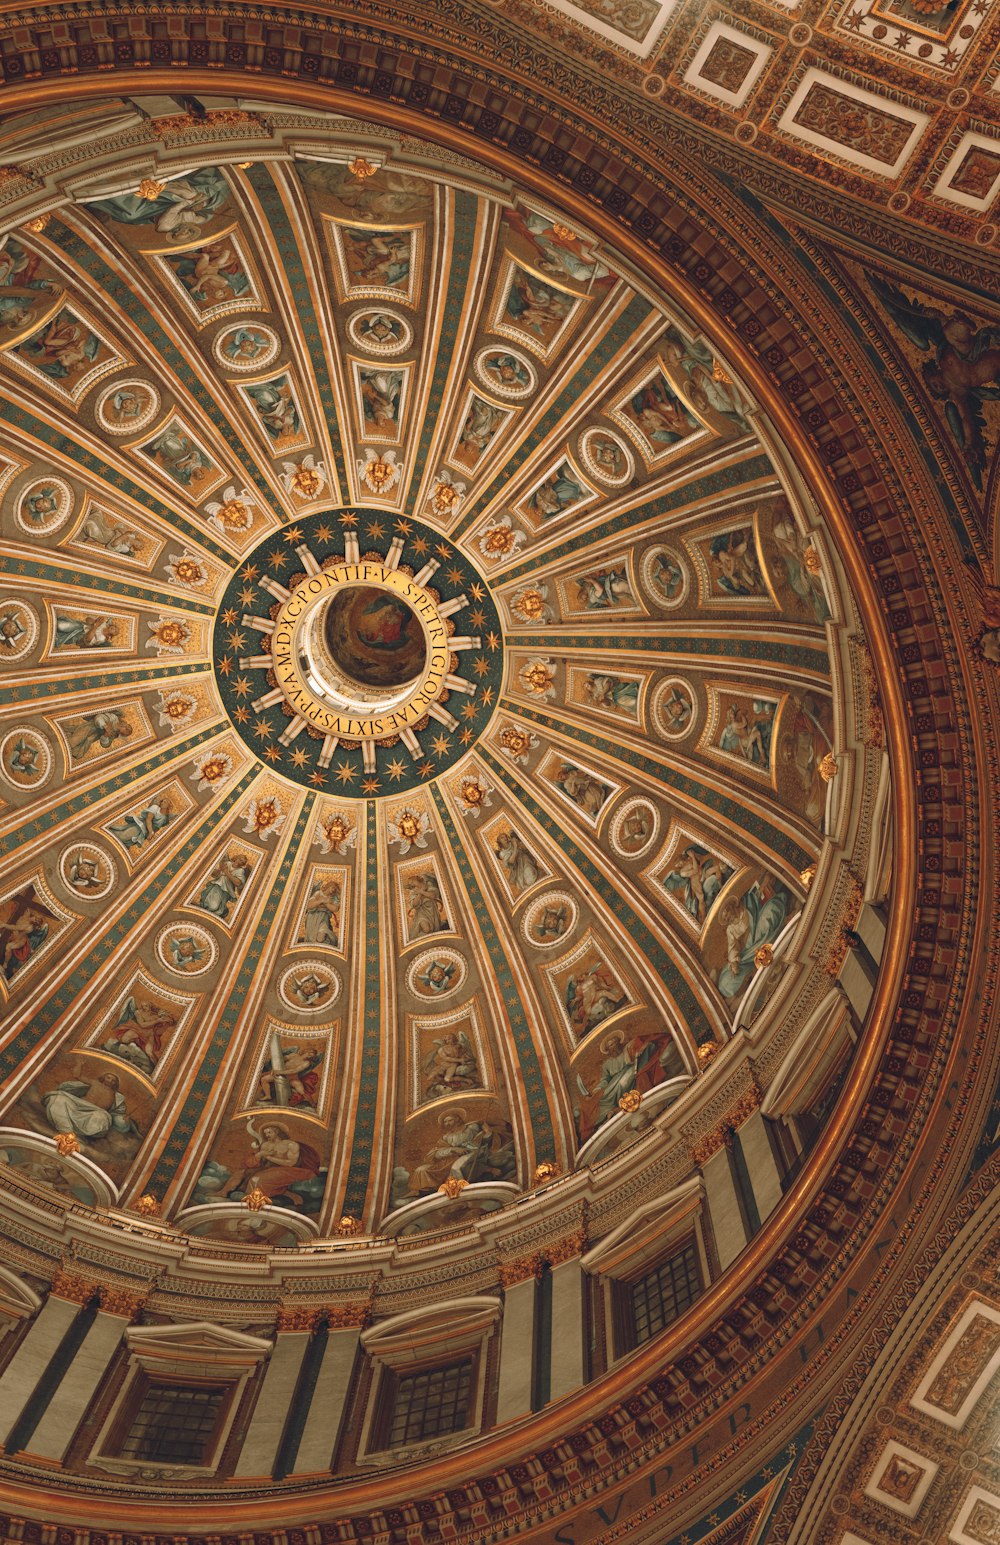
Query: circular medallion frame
{"x":558,"y":912}
{"x":142,"y":417}
{"x":25,"y":749}
{"x":666,"y":710}
{"x":628,"y":814}
{"x":319,"y":987}
{"x":525,"y":382}
{"x":598,"y":469}
{"x":432,"y":963}
{"x":380,"y":345}
{"x":16,"y":614}
{"x":87,"y":856}
{"x":54,"y":500}
{"x":234,"y":363}
{"x":194,"y":952}
{"x":675,"y":565}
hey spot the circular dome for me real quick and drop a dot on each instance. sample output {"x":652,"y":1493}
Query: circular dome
{"x":444,"y":745}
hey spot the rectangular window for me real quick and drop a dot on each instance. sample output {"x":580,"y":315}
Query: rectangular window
{"x":664,"y":1293}
{"x":429,"y":1404}
{"x":175,"y":1425}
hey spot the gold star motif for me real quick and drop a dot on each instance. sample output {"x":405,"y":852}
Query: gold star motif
{"x":443,"y":550}
{"x":478,"y":618}
{"x":404,"y":527}
{"x":421,"y":546}
{"x":324,"y":533}
{"x":466,"y":737}
{"x":488,"y":696}
{"x":243,"y":687}
{"x":396,"y":769}
{"x":299,"y":757}
{"x":476,"y":591}
{"x":316,"y":778}
{"x":493,"y":641}
{"x":481,"y":666}
{"x":455,"y":575}
{"x":469,"y":711}
{"x":273,"y":754}
{"x":370,"y":786}
{"x":263,"y":730}
{"x":277,"y":560}
{"x":247,"y":595}
{"x":293,"y":534}
{"x":225,"y":665}
{"x":426,"y":769}
{"x":376,"y":530}
{"x":441,"y":745}
{"x":345,"y":772}
{"x":249,"y":571}
{"x":229,"y":616}
{"x":236,"y":641}
{"x":242,"y":715}
{"x":348,"y":518}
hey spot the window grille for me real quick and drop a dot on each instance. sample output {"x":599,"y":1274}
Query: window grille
{"x":430,"y":1404}
{"x":664,"y":1293}
{"x":174,"y":1425}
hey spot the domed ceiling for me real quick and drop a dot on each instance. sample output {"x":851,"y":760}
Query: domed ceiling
{"x":424,"y":682}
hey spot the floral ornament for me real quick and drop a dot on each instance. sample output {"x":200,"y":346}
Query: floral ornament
{"x":516,"y":742}
{"x":538,"y":678}
{"x":447,"y":495}
{"x":409,"y":828}
{"x":233,"y":515}
{"x":169,"y":635}
{"x":500,"y":539}
{"x":335,"y":833}
{"x":305,"y":479}
{"x":475,"y":793}
{"x":264,"y":816}
{"x":187,"y":570}
{"x":210,"y":768}
{"x":379,"y":470}
{"x":176,"y":708}
{"x":530,"y":604}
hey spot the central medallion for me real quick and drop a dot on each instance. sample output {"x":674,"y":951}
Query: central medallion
{"x":359,"y":676}
{"x":361,"y":650}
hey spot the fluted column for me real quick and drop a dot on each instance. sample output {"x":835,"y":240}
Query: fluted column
{"x":321,"y":1432}
{"x":723,"y":1206}
{"x":263,"y":1439}
{"x":765,"y":1177}
{"x":568,"y":1367}
{"x":34,"y":1354}
{"x":517,"y":1338}
{"x":72,"y":1399}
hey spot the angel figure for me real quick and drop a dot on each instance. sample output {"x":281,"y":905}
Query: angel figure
{"x":451,"y":1065}
{"x":964,"y":373}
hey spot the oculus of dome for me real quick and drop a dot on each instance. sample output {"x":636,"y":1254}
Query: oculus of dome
{"x":363,"y":674}
{"x":346,"y":638}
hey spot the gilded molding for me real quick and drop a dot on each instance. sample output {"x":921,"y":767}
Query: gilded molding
{"x":721,"y":1136}
{"x":73,"y":1288}
{"x":348,"y":1316}
{"x":520,"y":1269}
{"x":567,"y":1248}
{"x":121,"y":1301}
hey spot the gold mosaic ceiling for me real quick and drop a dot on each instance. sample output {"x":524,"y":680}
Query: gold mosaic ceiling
{"x":347,"y":950}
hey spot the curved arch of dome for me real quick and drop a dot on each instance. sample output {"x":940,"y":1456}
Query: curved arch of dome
{"x":758,"y":1256}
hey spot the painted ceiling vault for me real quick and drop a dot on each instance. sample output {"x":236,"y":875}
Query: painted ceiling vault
{"x":418,"y":685}
{"x":498,"y":701}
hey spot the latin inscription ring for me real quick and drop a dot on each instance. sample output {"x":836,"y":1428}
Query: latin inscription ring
{"x":292,"y":667}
